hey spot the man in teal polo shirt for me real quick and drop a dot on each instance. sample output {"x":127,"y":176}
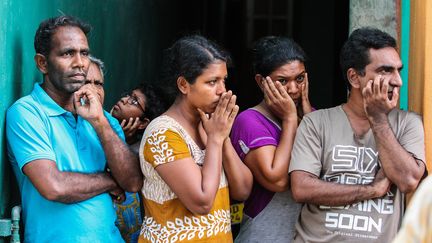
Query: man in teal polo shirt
{"x":60,"y":141}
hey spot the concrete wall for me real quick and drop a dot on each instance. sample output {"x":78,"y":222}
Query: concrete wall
{"x":381,"y":14}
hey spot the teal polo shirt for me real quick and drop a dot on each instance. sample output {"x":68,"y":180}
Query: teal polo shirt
{"x":38,"y":128}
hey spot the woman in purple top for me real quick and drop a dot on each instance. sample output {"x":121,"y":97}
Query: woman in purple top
{"x":263,"y":137}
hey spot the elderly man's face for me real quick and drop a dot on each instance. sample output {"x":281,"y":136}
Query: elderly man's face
{"x":95,"y":78}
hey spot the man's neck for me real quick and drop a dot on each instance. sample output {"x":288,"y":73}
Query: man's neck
{"x":356,"y":114}
{"x":64,"y":100}
{"x":355,"y":105}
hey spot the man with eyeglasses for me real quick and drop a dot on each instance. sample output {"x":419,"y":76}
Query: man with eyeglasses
{"x":134,"y":111}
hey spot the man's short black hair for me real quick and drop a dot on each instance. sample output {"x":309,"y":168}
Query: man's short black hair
{"x":355,"y":51}
{"x":42,"y":40}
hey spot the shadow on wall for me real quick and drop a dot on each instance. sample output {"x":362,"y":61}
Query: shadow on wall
{"x":17,"y":72}
{"x":11,"y":190}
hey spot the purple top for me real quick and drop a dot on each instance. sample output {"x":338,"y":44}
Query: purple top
{"x":252,"y":130}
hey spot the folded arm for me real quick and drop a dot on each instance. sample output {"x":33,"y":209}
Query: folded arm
{"x":308,"y":188}
{"x":400,"y":166}
{"x":123,"y":163}
{"x":66,"y":187}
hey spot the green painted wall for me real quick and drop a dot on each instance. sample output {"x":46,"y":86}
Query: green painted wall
{"x":123,"y":36}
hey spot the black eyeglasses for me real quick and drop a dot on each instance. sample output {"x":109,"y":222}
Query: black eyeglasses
{"x":133,"y":100}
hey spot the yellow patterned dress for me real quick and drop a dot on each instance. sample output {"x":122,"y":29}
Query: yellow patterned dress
{"x":166,"y":218}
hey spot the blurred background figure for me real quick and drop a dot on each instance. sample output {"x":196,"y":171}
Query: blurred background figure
{"x":417,"y":222}
{"x":134,"y":111}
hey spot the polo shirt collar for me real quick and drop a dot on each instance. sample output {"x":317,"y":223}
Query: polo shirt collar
{"x":49,"y":105}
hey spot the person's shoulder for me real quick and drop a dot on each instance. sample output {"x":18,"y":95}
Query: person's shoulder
{"x":161,"y":123}
{"x":323,"y":114}
{"x":248,"y":114}
{"x":403,"y":116}
{"x":26,"y":103}
{"x":249,"y":119}
{"x":399,"y":112}
{"x":164,"y":128}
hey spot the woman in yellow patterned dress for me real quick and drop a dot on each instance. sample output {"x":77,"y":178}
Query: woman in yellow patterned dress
{"x":186,"y":155}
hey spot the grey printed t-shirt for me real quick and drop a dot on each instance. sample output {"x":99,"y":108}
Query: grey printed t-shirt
{"x":326,"y":146}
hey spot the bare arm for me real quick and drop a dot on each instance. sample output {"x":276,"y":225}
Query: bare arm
{"x":66,"y":187}
{"x":269,"y":164}
{"x":122,"y":162}
{"x":239,"y":176}
{"x":399,"y":166}
{"x":196,"y":187}
{"x":307,"y":188}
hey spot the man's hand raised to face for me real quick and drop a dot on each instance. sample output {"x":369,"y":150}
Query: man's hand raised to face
{"x":87,"y":104}
{"x":379,"y":98}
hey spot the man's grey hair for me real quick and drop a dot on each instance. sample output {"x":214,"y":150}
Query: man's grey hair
{"x":99,"y":63}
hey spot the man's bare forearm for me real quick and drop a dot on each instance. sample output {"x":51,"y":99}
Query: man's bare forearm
{"x":123,"y":163}
{"x":73,"y":187}
{"x":399,"y":166}
{"x":309,"y":189}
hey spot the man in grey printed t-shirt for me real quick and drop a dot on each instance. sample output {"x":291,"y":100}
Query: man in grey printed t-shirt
{"x":351,"y":165}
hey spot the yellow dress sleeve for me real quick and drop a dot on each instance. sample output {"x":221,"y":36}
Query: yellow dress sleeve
{"x":163,"y":146}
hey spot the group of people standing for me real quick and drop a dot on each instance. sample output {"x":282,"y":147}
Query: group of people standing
{"x":305,"y":175}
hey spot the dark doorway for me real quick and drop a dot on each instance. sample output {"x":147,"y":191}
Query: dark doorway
{"x":320,"y":27}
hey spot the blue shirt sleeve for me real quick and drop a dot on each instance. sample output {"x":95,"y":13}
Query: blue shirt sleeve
{"x":27,"y":135}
